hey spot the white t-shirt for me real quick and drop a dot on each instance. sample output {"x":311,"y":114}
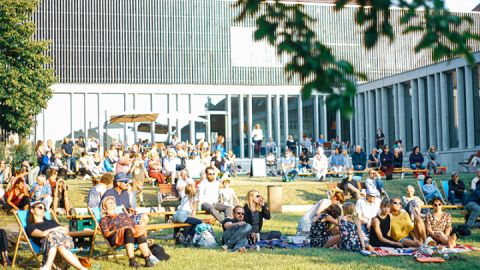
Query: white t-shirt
{"x":320,"y":163}
{"x":227,"y":196}
{"x":187,"y":204}
{"x":181,"y":184}
{"x":367,"y":210}
{"x":371,"y":185}
{"x":208,"y":192}
{"x":257,"y":135}
{"x":473,"y":185}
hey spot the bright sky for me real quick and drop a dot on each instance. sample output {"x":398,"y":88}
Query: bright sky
{"x":461,"y":5}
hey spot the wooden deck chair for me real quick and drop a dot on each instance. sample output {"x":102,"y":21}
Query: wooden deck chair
{"x":21,"y":218}
{"x":96,"y":214}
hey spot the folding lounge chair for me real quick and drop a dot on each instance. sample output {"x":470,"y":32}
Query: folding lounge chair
{"x":21,"y":218}
{"x":96,"y":214}
{"x":420,"y":185}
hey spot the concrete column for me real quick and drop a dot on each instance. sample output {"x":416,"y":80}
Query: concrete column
{"x":401,"y":115}
{"x":152,"y":124}
{"x":44,"y":128}
{"x":361,"y":121}
{"x":177,"y":121}
{"x":100,"y":125}
{"x":277,"y":124}
{"x":438,"y":108}
{"x":365,"y":116}
{"x":285,"y":116}
{"x":432,"y":120}
{"x":444,"y":106}
{"x":124,"y":124}
{"x":415,"y":113}
{"x":85,"y":122}
{"x":468,"y":107}
{"x":72,"y":137}
{"x":462,"y":142}
{"x":323,"y":116}
{"x":385,"y":114}
{"x":192,"y":123}
{"x":395,"y":112}
{"x":269,"y":118}
{"x":316,"y":131}
{"x":300,"y":118}
{"x":371,"y":119}
{"x":169,"y":121}
{"x":241,"y":125}
{"x":135,"y":132}
{"x":378,"y":109}
{"x":355,"y":119}
{"x":228,"y":128}
{"x":422,"y":120}
{"x":249,"y":125}
{"x":338,"y":120}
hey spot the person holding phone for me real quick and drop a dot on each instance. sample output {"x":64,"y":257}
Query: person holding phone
{"x":256,"y":210}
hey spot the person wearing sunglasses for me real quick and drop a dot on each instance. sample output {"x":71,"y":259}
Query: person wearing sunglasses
{"x":402,"y":228}
{"x":52,"y":237}
{"x":256,"y":210}
{"x":236,"y":231}
{"x":439,"y":224}
{"x":380,"y":231}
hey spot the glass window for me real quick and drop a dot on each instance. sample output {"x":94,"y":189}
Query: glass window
{"x":115,"y":105}
{"x":235,"y":126}
{"x":308,"y":118}
{"x":476,"y":104}
{"x":160,"y":105}
{"x":92,"y":115}
{"x":452,"y":108}
{"x":391,"y":115}
{"x":78,"y":115}
{"x":293,"y":117}
{"x":408,"y":117}
{"x":58,"y":111}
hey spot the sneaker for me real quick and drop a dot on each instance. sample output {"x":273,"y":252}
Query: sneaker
{"x":134,"y":264}
{"x":148,"y":264}
{"x":154,"y":259}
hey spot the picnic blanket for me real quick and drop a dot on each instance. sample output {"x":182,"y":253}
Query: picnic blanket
{"x":386,"y":251}
{"x":281,"y":243}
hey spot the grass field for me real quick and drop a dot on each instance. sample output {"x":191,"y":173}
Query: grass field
{"x":301,"y":192}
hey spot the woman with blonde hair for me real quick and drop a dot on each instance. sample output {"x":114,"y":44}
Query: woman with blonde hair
{"x":186,"y":214}
{"x":256,"y":210}
{"x":219,"y":146}
{"x":351,"y":235}
{"x":257,"y":137}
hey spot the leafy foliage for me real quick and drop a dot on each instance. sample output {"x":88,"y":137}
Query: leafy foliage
{"x":24,"y":79}
{"x":289,"y":28}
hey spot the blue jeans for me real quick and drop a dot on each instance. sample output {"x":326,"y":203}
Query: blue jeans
{"x":71,"y":163}
{"x":452,"y":197}
{"x":191,"y":230}
{"x":414,"y":166}
{"x":289,"y":175}
{"x":474,"y":210}
{"x":237,"y":236}
{"x":359,"y":167}
{"x":435,"y":194}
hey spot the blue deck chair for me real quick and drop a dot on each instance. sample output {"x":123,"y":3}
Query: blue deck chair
{"x":21,"y":217}
{"x":96,"y":214}
{"x":420,"y":185}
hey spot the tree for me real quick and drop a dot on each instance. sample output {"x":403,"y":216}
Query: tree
{"x":288,"y":27}
{"x":25,"y":79}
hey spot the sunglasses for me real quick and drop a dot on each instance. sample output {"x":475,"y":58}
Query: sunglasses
{"x":258,"y":196}
{"x":40,"y":207}
{"x":240,"y":213}
{"x":397,"y":203}
{"x":437,"y":204}
{"x":211,"y":174}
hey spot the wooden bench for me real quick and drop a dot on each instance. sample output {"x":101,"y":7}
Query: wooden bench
{"x":169,"y":191}
{"x":171,"y":225}
{"x":169,"y":214}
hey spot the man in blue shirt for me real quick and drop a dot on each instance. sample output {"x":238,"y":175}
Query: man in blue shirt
{"x":289,"y":167}
{"x":472,"y":205}
{"x":119,"y":190}
{"x":359,"y":159}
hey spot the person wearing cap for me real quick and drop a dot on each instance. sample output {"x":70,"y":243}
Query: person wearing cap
{"x":367,"y":208}
{"x":456,"y":189}
{"x":119,"y":190}
{"x":123,"y":230}
{"x":52,"y":237}
{"x":474,"y":183}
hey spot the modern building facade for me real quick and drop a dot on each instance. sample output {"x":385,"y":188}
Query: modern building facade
{"x":188,"y":60}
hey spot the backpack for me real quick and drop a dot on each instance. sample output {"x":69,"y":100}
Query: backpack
{"x":204,"y":236}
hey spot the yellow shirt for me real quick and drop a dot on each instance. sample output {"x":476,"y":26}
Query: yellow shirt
{"x":400,"y":226}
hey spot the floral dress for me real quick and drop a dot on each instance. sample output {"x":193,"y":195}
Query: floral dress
{"x":349,"y":238}
{"x":319,"y":232}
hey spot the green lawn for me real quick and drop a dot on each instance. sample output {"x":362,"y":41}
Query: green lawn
{"x":304,"y":191}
